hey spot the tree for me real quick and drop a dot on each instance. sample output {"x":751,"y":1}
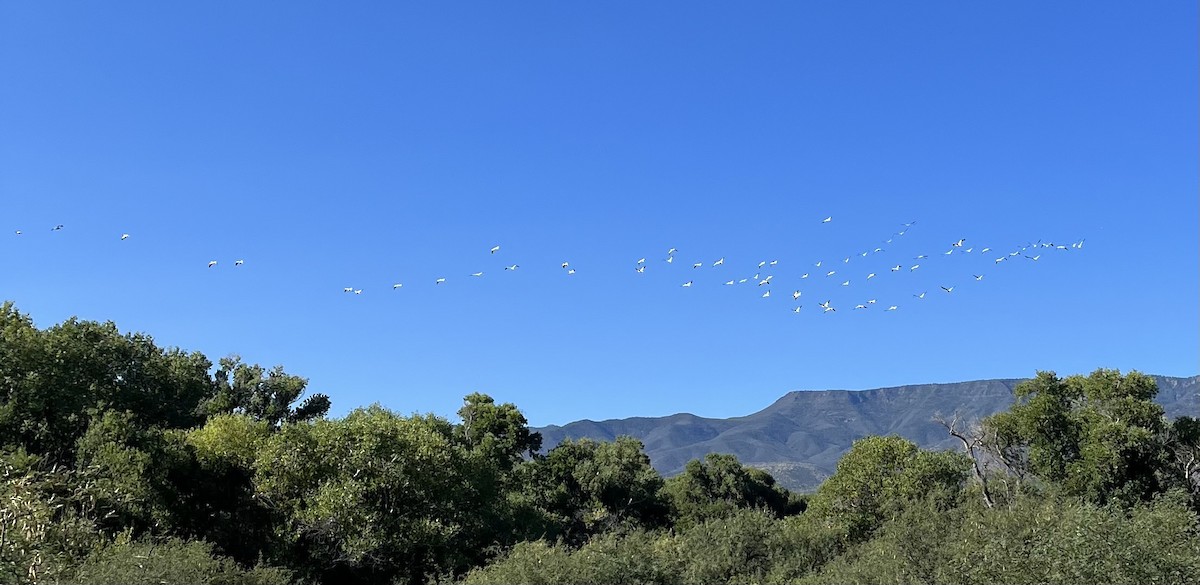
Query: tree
{"x":718,"y":486}
{"x":499,"y":433}
{"x":1098,"y":437}
{"x":585,"y":487}
{"x":53,"y":382}
{"x":266,"y":395}
{"x":880,"y":476}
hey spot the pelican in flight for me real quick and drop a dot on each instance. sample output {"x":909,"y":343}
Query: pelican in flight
{"x":1001,"y":259}
{"x":123,"y":236}
{"x":870,"y":276}
{"x":670,"y":259}
{"x":212,"y":263}
{"x":797,"y":309}
{"x":766,"y":294}
{"x":871,"y":302}
{"x":1034,"y":258}
{"x":948,"y":289}
{"x":729,"y":283}
{"x":57,"y":228}
{"x":439,"y":281}
{"x":671,"y":251}
{"x":697,"y":265}
{"x":914,"y":267}
{"x":719,"y":262}
{"x":892,"y":308}
{"x":397,"y":286}
{"x":959,"y":243}
{"x":773,"y":262}
{"x":827,"y":220}
{"x":571,"y":271}
{"x":358,"y":291}
{"x":847,"y":283}
{"x":828,"y":309}
{"x":978,"y":276}
{"x":687,"y":284}
{"x":921,"y":257}
{"x":513,"y":267}
{"x":18,"y":232}
{"x":985,"y":250}
{"x":896,"y":268}
{"x":348,"y":289}
{"x":824,"y":305}
{"x":238,"y":262}
{"x":641,"y":261}
{"x":796,"y":295}
{"x":805,"y":275}
{"x":476,"y":274}
{"x":920,"y":296}
{"x":763,"y":263}
{"x":566,"y":264}
{"x":860,"y":306}
{"x":640,"y":269}
{"x":831,"y":273}
{"x":495,"y":249}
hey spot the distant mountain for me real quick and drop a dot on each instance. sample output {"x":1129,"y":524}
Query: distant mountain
{"x":800,"y":437}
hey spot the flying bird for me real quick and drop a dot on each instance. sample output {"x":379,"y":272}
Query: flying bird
{"x":571,"y":271}
{"x":670,"y":259}
{"x":697,"y":265}
{"x":687,"y":284}
{"x":1001,"y":259}
{"x":1034,"y":258}
{"x":348,"y":289}
{"x":871,"y":302}
{"x":495,"y":249}
{"x":396,"y":286}
{"x":828,"y":219}
{"x":763,"y":263}
{"x":985,"y":250}
{"x":671,"y":251}
{"x":959,"y":243}
{"x":566,"y":264}
{"x":892,"y":308}
{"x":949,"y":290}
{"x":123,"y":236}
{"x":358,"y":291}
{"x":818,"y":263}
{"x":796,"y":295}
{"x":870,"y":276}
{"x":238,"y":262}
{"x":729,"y":283}
{"x":641,"y":261}
{"x":920,"y":296}
{"x":805,"y":275}
{"x":640,"y":269}
{"x":56,"y":228}
{"x":477,"y":274}
{"x":212,"y":263}
{"x":797,"y":309}
{"x":828,"y":309}
{"x":921,"y":257}
{"x":439,"y":281}
{"x":766,"y":294}
{"x":513,"y":267}
{"x":896,"y":268}
{"x":914,"y":267}
{"x":743,"y":280}
{"x":860,"y":306}
{"x":719,"y":262}
{"x":978,"y":276}
{"x":831,"y":273}
{"x":773,"y":262}
{"x":847,"y":283}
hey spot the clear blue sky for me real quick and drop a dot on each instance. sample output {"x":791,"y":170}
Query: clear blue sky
{"x":341,"y":145}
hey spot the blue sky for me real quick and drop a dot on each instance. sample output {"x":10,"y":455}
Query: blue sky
{"x":335,"y":146}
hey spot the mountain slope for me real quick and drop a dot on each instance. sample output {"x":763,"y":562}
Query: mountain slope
{"x":800,"y":437}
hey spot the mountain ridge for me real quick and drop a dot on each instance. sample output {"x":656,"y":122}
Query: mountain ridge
{"x":800,"y":436}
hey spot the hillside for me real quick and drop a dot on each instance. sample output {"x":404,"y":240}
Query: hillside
{"x":800,"y":437}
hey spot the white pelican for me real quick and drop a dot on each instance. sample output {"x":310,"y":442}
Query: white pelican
{"x":896,"y":268}
{"x":729,"y":283}
{"x":123,"y":236}
{"x":766,"y":294}
{"x":238,"y":262}
{"x":397,"y":286}
{"x":870,"y":276}
{"x":949,"y":290}
{"x":827,"y":220}
{"x":796,"y":295}
{"x":687,"y":284}
{"x":847,"y":283}
{"x":914,"y":267}
{"x":495,"y":249}
{"x":805,"y":275}
{"x":892,"y":308}
{"x":513,"y":267}
{"x":978,"y":276}
{"x":439,"y":281}
{"x":697,"y":265}
{"x":476,"y":274}
{"x":212,"y":263}
{"x":920,"y":296}
{"x":719,"y":262}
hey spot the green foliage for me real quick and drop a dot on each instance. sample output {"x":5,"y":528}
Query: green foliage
{"x":587,"y":487}
{"x":42,"y":527}
{"x":1098,"y":437}
{"x":171,"y":561}
{"x":374,"y":496}
{"x":263,"y":395}
{"x":879,"y":476}
{"x":53,"y":382}
{"x":718,"y":486}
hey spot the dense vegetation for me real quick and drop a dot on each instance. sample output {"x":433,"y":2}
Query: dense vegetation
{"x":123,"y":462}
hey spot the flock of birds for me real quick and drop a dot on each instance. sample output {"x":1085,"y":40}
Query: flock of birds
{"x":1031,"y":252}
